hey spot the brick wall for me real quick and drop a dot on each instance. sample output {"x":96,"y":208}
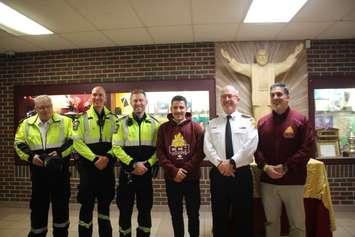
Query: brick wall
{"x":341,"y":179}
{"x":164,"y":62}
{"x":331,"y":58}
{"x":151,"y":62}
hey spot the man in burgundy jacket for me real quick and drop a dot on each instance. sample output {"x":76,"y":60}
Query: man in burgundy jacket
{"x":286,"y":143}
{"x":180,"y":152}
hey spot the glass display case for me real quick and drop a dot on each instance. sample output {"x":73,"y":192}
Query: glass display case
{"x":335,"y":108}
{"x":332,"y":106}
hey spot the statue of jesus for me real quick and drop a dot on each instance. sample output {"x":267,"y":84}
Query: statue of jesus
{"x":262,"y":74}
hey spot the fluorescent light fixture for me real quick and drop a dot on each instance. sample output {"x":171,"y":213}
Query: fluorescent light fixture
{"x":271,"y":11}
{"x":18,"y":24}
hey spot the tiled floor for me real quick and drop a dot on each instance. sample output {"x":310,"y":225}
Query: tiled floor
{"x":14,"y":221}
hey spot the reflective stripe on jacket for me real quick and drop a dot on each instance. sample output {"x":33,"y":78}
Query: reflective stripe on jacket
{"x":91,"y":139}
{"x":134,"y":142}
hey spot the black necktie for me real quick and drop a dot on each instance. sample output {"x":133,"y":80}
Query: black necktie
{"x":229,"y":143}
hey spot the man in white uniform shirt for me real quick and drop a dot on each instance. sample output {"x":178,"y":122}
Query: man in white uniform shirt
{"x":229,"y":144}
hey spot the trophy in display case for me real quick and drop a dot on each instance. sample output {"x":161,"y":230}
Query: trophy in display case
{"x":328,"y":142}
{"x":351,"y":145}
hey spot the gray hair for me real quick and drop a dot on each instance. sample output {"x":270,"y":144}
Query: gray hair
{"x":231,"y":89}
{"x":42,"y":99}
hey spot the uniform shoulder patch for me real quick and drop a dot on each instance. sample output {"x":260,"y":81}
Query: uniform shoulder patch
{"x":117,"y":126}
{"x":76,"y":124}
{"x":129,"y":121}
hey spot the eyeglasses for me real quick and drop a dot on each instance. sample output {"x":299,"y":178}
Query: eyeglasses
{"x":228,"y":96}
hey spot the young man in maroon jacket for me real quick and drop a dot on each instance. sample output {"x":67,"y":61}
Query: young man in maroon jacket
{"x":286,"y":142}
{"x":180,"y":152}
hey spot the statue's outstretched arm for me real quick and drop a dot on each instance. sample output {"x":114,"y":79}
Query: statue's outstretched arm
{"x":241,"y":68}
{"x":289,"y":62}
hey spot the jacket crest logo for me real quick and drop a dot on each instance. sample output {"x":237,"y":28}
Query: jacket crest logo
{"x":179,"y":147}
{"x":289,"y":133}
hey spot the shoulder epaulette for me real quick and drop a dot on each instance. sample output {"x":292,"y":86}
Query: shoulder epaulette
{"x":66,"y":115}
{"x":253,"y":121}
{"x":71,"y":114}
{"x":111,"y":113}
{"x":246,"y":116}
{"x":121,"y":117}
{"x":72,"y":117}
{"x":156,"y":120}
{"x":31,"y":113}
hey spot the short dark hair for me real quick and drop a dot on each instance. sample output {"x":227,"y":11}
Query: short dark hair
{"x":281,"y":85}
{"x":137,"y":91}
{"x":179,"y":98}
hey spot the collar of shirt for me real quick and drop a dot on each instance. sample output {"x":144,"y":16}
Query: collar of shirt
{"x":280,"y":117}
{"x":43,"y":127}
{"x":233,"y":115}
{"x":44,"y":124}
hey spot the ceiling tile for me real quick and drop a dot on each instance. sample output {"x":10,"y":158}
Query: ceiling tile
{"x":4,"y":34}
{"x":258,"y":31}
{"x":217,"y":11}
{"x":215,"y":32}
{"x":339,"y":30}
{"x":324,"y":10}
{"x":92,"y":23}
{"x":163,"y":12}
{"x":17,"y":45}
{"x":171,"y":34}
{"x":132,"y":36}
{"x":302,"y":30}
{"x":107,"y":14}
{"x":49,"y":42}
{"x":56,"y":15}
{"x":90,"y":39}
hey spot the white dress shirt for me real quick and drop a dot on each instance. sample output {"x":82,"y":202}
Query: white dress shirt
{"x":244,"y":137}
{"x":43,"y":127}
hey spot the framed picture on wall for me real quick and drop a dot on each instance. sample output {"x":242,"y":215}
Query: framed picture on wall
{"x":328,"y":149}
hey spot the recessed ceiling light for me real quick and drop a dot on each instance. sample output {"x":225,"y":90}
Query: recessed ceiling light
{"x":271,"y":11}
{"x":18,"y":24}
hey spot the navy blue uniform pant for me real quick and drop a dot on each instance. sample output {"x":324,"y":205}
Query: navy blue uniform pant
{"x":95,"y":185}
{"x":133,"y":187}
{"x":49,"y":187}
{"x":232,"y":202}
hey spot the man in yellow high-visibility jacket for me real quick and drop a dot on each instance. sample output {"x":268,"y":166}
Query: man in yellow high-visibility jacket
{"x":134,"y":145}
{"x":92,"y":135}
{"x":43,"y":140}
